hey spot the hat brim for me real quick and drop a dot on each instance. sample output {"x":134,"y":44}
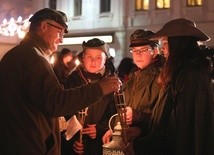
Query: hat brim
{"x":137,"y":44}
{"x":175,"y":32}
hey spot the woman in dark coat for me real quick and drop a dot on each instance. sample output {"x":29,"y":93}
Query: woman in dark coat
{"x":182,"y":122}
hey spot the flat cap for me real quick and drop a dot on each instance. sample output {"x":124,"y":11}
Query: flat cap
{"x":141,"y":37}
{"x":97,"y":44}
{"x":47,"y":13}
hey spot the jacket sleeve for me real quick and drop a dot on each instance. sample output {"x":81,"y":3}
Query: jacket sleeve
{"x":48,"y":96}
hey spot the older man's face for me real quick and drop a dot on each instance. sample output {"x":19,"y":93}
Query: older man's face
{"x":53,"y":34}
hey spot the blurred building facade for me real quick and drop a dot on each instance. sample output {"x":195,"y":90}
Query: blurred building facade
{"x":119,"y":18}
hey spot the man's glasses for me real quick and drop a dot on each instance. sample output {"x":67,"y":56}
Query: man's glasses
{"x":140,"y":51}
{"x":61,"y":33}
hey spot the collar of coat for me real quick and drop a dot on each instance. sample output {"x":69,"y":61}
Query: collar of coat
{"x":33,"y":40}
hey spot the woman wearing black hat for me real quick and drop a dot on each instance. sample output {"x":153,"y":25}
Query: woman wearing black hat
{"x":182,"y":122}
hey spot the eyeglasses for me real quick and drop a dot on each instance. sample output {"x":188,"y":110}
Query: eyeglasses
{"x":140,"y":51}
{"x":61,"y":33}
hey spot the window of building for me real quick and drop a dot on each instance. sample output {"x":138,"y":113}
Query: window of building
{"x":105,"y":6}
{"x":52,"y":4}
{"x":162,"y":4}
{"x":77,"y":7}
{"x":141,"y":5}
{"x":194,"y":2}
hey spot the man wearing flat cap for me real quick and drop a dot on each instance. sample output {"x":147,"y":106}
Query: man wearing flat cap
{"x":31,"y":97}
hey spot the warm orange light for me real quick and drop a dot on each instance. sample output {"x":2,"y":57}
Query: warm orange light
{"x":12,"y":27}
{"x":77,"y":62}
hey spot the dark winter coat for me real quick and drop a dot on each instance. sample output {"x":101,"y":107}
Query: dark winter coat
{"x":99,"y":113}
{"x":141,"y":93}
{"x":182,"y":122}
{"x":31,"y":99}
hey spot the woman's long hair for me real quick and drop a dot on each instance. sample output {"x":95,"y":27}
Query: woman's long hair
{"x":181,"y":50}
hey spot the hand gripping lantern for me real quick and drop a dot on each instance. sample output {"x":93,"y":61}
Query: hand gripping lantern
{"x":119,"y":141}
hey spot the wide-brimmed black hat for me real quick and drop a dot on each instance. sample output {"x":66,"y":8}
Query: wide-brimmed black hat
{"x":47,"y":13}
{"x":141,"y":37}
{"x":97,"y":44}
{"x":181,"y":27}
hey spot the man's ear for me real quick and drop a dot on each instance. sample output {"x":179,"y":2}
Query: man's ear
{"x":43,"y":26}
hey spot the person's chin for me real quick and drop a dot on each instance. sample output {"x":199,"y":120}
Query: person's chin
{"x":139,"y":64}
{"x":92,"y":71}
{"x":55,"y":47}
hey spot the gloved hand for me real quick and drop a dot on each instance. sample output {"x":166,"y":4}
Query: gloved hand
{"x":110,"y":84}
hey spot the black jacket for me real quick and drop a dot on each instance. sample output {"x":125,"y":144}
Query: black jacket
{"x":98,"y":113}
{"x":182,"y":121}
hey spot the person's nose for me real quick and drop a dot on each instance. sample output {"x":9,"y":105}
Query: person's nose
{"x":61,"y":39}
{"x":139,"y":54}
{"x":93,"y":61}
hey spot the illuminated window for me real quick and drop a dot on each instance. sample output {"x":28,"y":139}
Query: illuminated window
{"x":162,"y":4}
{"x":77,"y":7}
{"x":194,"y":2}
{"x":52,"y":4}
{"x":105,"y":6}
{"x":141,"y":5}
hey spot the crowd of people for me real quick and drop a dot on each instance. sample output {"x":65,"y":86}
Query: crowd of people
{"x":167,"y":84}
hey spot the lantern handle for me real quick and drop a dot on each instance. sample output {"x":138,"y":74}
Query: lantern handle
{"x":109,"y":122}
